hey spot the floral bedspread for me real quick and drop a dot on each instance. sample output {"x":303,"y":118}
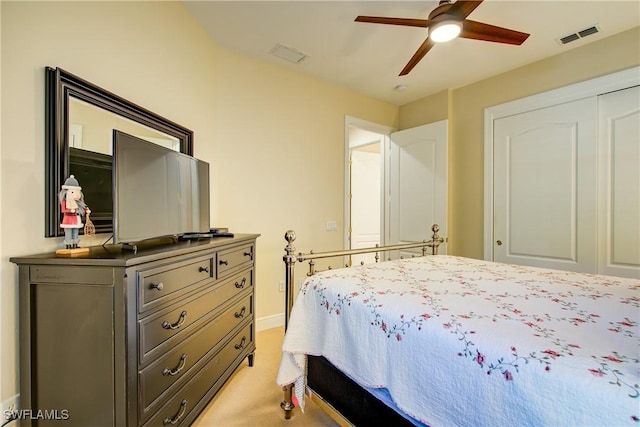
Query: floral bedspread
{"x":458,"y":341}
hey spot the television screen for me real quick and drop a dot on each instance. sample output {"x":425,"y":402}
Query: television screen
{"x":157,"y":191}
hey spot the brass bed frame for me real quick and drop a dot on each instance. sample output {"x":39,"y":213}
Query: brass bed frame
{"x":290,"y":259}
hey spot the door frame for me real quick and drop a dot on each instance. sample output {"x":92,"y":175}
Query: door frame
{"x":593,"y":87}
{"x":350,"y":121}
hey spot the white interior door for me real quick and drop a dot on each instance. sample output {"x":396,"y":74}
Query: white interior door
{"x":363,"y":136}
{"x":366,"y":189}
{"x":545,"y":187}
{"x":416,"y":189}
{"x":619,"y":205}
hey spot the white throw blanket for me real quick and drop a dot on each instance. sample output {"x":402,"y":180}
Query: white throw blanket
{"x":459,"y":341}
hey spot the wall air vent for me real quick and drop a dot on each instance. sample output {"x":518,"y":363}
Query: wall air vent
{"x":579,"y":34}
{"x":287,"y":53}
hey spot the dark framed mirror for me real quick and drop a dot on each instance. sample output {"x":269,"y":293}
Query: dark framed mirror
{"x":79,"y":118}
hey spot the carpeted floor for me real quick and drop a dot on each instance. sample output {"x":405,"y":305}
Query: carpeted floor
{"x":252,"y":398}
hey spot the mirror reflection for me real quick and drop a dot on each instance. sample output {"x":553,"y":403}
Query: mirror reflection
{"x":91,"y":128}
{"x":79,"y":121}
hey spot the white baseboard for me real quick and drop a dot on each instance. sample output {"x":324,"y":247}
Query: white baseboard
{"x":268,"y":322}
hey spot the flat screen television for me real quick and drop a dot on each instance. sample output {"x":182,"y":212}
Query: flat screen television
{"x":157,"y":192}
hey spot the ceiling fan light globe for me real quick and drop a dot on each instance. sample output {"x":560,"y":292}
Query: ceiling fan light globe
{"x":445,"y":31}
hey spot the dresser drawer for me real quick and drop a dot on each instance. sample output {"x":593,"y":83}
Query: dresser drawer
{"x":163,"y":283}
{"x":232,"y":259}
{"x":170,"y":368}
{"x":234,"y":285}
{"x":211,"y":376}
{"x":162,"y":326}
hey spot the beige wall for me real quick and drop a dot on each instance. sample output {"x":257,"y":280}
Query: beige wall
{"x":258,"y":125}
{"x":281,"y":155}
{"x":426,"y":110}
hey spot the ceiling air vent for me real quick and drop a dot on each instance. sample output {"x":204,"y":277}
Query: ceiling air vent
{"x":288,"y":54}
{"x":580,"y":34}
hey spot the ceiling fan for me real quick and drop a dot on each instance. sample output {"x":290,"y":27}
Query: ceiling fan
{"x":446,"y":22}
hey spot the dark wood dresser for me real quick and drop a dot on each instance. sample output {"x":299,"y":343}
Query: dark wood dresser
{"x":145,"y":338}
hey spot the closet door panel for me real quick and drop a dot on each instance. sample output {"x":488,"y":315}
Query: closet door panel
{"x":619,"y":207}
{"x":545,"y":187}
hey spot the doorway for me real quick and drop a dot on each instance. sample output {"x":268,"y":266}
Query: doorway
{"x":364,"y":198}
{"x":395,"y":185}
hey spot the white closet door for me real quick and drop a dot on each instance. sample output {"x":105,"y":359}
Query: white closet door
{"x":545,"y":187}
{"x":619,"y":214}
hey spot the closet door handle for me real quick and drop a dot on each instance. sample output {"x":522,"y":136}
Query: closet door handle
{"x":499,"y":242}
{"x":183,"y":317}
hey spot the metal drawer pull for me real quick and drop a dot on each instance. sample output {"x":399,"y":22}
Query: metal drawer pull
{"x":179,"y":415}
{"x":181,"y":364}
{"x":249,"y":254}
{"x":240,"y":345}
{"x":203,"y":269}
{"x":241,"y":314}
{"x":157,"y":286}
{"x":167,"y":325}
{"x":241,"y":284}
{"x":223,"y":262}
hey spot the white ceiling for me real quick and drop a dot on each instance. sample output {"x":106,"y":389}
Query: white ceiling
{"x":367,"y":58}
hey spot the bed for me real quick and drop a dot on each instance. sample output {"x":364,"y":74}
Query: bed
{"x":446,"y":340}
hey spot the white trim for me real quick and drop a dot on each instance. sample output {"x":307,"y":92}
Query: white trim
{"x":366,"y":125}
{"x":386,"y":176}
{"x":488,"y":184}
{"x":269,"y":322}
{"x":597,"y":86}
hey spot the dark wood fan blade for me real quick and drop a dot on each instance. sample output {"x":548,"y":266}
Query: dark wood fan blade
{"x":407,"y":22}
{"x":463,"y":8}
{"x":491,"y":33}
{"x":420,"y":53}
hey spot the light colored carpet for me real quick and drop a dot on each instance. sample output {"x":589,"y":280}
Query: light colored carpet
{"x":252,"y":398}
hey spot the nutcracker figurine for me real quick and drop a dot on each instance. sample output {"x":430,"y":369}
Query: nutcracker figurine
{"x":73,"y":209}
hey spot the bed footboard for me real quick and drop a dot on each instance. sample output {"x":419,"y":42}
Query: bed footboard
{"x":290,"y":258}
